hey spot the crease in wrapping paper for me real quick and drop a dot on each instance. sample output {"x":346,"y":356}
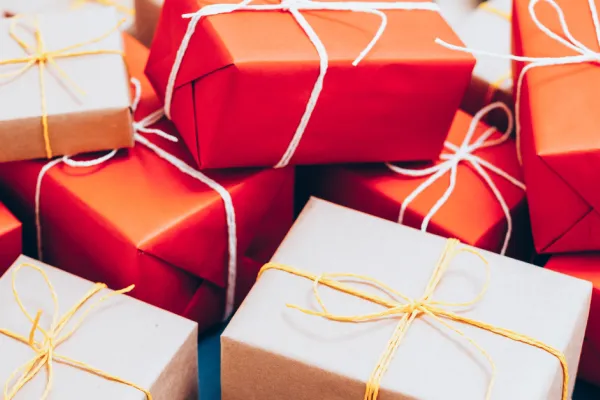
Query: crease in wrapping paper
{"x":260,"y":64}
{"x":98,"y":120}
{"x":559,"y":149}
{"x":120,"y":343}
{"x":287,"y":348}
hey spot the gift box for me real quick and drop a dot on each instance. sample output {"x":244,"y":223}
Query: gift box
{"x":147,"y":14}
{"x":472,"y":212}
{"x":10,"y":238}
{"x":585,"y":266}
{"x":123,"y":7}
{"x":140,"y":219}
{"x":52,"y":99}
{"x":558,"y":128}
{"x":263,"y":96}
{"x":122,"y":348}
{"x":489,"y":27}
{"x":329,"y":348}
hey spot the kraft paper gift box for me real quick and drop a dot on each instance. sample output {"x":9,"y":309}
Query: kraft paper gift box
{"x":147,"y":14}
{"x":138,"y":219}
{"x":585,"y":266}
{"x":123,"y":7}
{"x":10,"y":238}
{"x":270,"y":351}
{"x":120,"y":336}
{"x":489,"y":27}
{"x":472,"y":213}
{"x":82,"y":90}
{"x":559,"y":129}
{"x":244,"y":102}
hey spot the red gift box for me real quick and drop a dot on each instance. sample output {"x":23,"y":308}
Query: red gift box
{"x":472,"y":212}
{"x":138,"y":219}
{"x":244,"y":84}
{"x":559,"y":127}
{"x":585,"y":266}
{"x":10,"y":238}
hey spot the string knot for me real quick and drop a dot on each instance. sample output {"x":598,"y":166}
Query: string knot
{"x":41,"y":57}
{"x":396,"y":304}
{"x":45,"y":349}
{"x":449,"y":162}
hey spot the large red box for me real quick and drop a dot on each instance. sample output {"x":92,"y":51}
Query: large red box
{"x":559,"y":121}
{"x":246,"y":78}
{"x":138,"y":220}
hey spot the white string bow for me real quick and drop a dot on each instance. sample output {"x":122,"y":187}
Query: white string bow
{"x":143,"y":126}
{"x":584,"y":53}
{"x":293,"y":7}
{"x":449,"y":164}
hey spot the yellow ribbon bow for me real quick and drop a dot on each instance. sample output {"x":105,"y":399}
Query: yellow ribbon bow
{"x":45,"y":350}
{"x":109,"y":3}
{"x":410,"y":309}
{"x":40,"y":56}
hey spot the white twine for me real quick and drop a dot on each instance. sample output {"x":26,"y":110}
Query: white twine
{"x":584,"y":53}
{"x":142,"y":127}
{"x":464,"y":153}
{"x":294,"y":7}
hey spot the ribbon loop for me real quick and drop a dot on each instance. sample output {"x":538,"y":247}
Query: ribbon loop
{"x":407,"y":312}
{"x":46,"y":349}
{"x":450,"y":162}
{"x":294,"y":7}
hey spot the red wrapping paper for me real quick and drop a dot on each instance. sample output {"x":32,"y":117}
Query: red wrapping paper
{"x":247,"y":76}
{"x":585,"y":266}
{"x":561,"y":151}
{"x":471,"y":214}
{"x":10,"y":238}
{"x":136,"y":219}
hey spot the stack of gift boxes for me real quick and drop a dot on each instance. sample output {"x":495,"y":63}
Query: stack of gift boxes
{"x":170,"y":165}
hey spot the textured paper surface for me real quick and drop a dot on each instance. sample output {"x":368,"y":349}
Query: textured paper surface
{"x":45,"y":6}
{"x":273,"y":352}
{"x":98,"y":119}
{"x":147,"y":13}
{"x":124,"y":337}
{"x":585,"y":266}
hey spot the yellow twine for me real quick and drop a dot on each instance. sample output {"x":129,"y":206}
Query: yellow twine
{"x":109,"y":3}
{"x":45,"y":350}
{"x":38,"y":55}
{"x":410,"y":309}
{"x":496,"y":11}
